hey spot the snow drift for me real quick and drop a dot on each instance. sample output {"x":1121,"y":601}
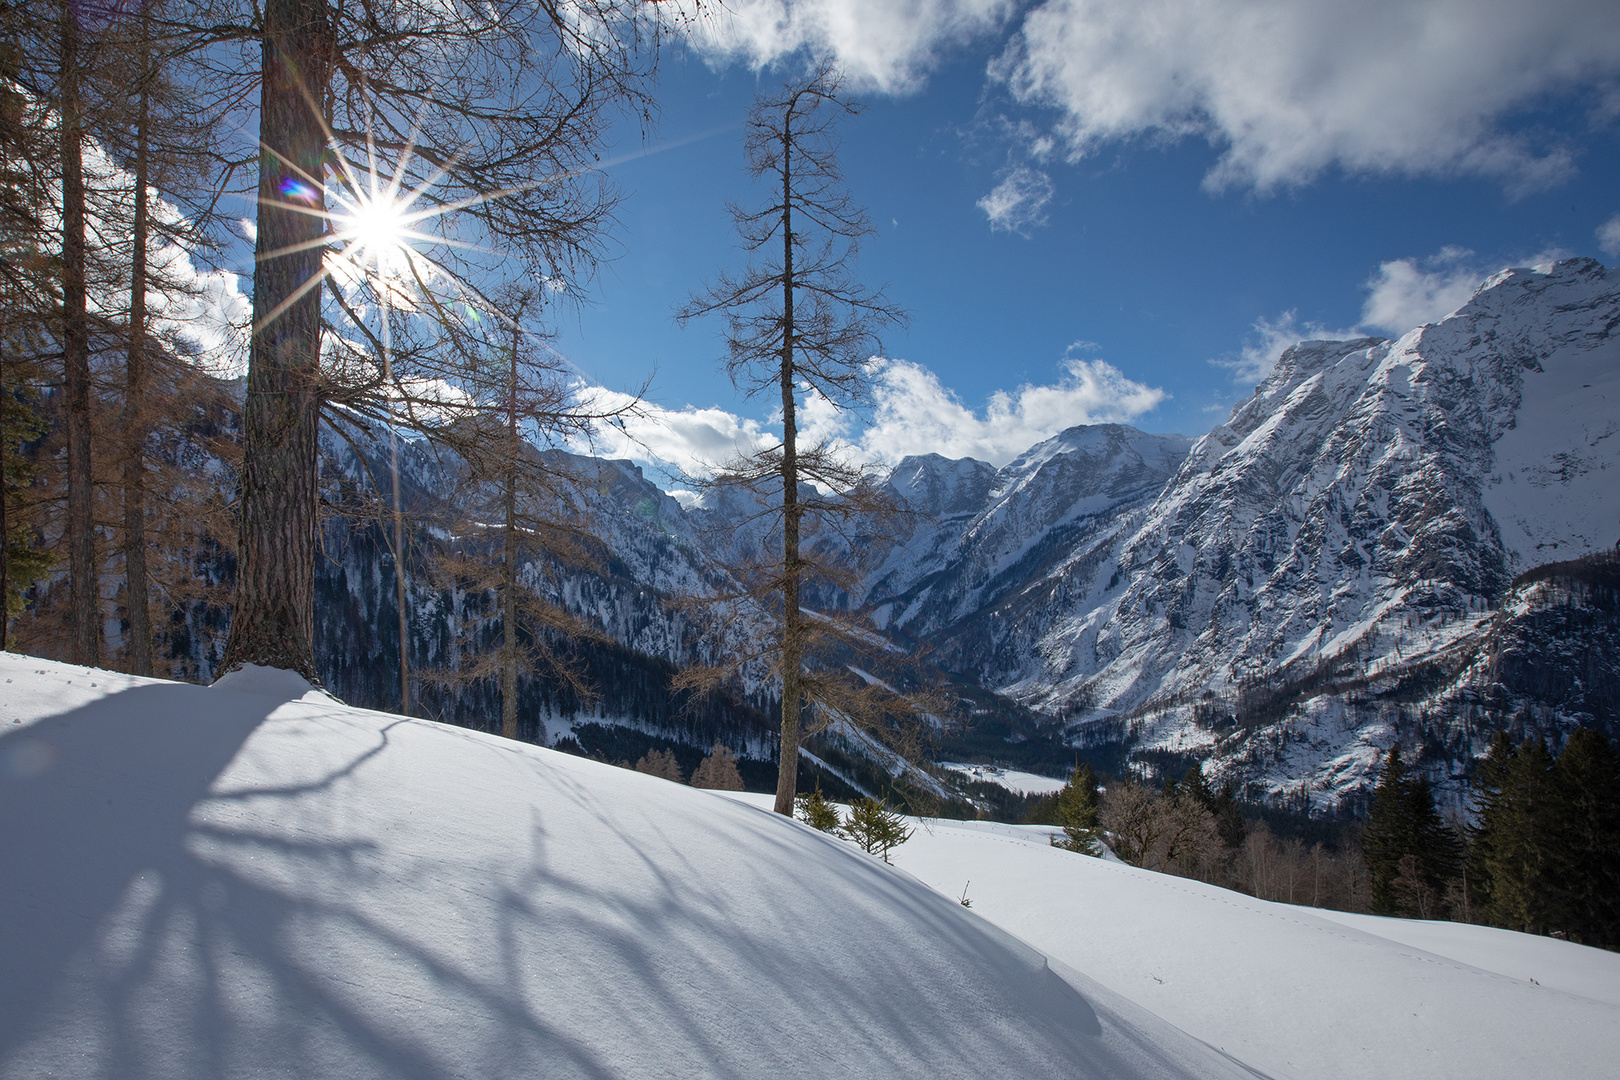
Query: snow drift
{"x":225,"y":884}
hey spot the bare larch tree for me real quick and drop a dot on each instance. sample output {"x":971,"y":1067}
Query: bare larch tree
{"x":520,"y":495}
{"x":798,"y":322}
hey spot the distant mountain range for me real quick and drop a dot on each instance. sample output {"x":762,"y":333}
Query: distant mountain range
{"x":1390,"y":541}
{"x":1330,"y":570}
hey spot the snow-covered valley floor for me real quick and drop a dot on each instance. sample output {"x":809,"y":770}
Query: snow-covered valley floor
{"x":246,"y":881}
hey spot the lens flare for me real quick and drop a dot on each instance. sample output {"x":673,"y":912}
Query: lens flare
{"x":294,"y":188}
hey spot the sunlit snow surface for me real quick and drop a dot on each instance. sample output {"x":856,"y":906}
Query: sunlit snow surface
{"x":206,"y":883}
{"x":1291,"y":991}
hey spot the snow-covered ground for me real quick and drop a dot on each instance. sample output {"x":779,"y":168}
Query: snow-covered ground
{"x":1291,"y":991}
{"x":223,"y":883}
{"x":1023,"y":783}
{"x":212,"y":883}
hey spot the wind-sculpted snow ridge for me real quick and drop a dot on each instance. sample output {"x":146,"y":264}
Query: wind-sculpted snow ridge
{"x":227,"y":886}
{"x":1356,"y":520}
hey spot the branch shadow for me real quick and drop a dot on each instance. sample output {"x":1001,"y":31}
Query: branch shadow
{"x":221,"y":887}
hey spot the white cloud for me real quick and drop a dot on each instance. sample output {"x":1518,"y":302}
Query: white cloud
{"x":1407,"y":293}
{"x":691,"y":440}
{"x":1018,"y":203}
{"x":886,"y":46}
{"x":1608,"y":236}
{"x":1402,"y":295}
{"x":913,"y":413}
{"x":916,"y":414}
{"x":819,"y":420}
{"x":1289,"y":88}
{"x":1267,"y":342}
{"x":202,"y":311}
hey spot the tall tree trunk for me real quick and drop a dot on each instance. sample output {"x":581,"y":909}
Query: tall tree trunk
{"x":400,"y":594}
{"x":83,"y":614}
{"x":273,"y":622}
{"x":5,"y":527}
{"x":787,"y":770}
{"x":509,"y":657}
{"x":135,"y":586}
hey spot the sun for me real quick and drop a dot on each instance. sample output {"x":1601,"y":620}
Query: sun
{"x":379,"y":226}
{"x":377,"y":232}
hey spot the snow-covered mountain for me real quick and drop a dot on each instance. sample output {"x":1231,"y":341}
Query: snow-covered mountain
{"x":1363,"y":514}
{"x":991,"y":531}
{"x":1330,"y":571}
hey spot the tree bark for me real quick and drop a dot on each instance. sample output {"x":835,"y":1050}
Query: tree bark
{"x":787,"y":769}
{"x":5,"y":531}
{"x":273,"y":622}
{"x":509,"y":658}
{"x":135,"y":575}
{"x":401,"y":594}
{"x":83,"y":614}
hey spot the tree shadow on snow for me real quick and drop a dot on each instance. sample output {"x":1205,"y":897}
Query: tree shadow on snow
{"x":180,"y":901}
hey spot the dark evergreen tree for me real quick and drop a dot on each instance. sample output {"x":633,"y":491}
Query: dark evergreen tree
{"x":1077,"y":806}
{"x":1508,"y":870}
{"x":1228,"y":819}
{"x":1194,"y":787}
{"x":1388,"y":834}
{"x":1582,"y":837}
{"x":1410,"y":853}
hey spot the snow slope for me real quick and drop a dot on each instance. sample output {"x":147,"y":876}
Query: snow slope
{"x":1292,"y":992}
{"x":226,"y":884}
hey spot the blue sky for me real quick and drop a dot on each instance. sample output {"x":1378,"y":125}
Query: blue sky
{"x":1116,"y":209}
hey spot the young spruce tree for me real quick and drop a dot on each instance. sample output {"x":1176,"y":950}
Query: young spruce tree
{"x":1077,"y":805}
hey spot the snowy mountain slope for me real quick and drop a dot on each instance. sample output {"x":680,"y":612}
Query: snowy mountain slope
{"x":1293,"y":992}
{"x":218,"y":884}
{"x":987,"y":522}
{"x":1317,"y":578}
{"x":1007,"y":550}
{"x":1344,"y":520}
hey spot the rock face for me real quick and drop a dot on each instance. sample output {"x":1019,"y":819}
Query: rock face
{"x":1363,"y":515}
{"x":1006,"y":550}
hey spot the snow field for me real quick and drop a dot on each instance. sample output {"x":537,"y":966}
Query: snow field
{"x":224,"y":884}
{"x":1292,"y":992}
{"x":1021,"y":783}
